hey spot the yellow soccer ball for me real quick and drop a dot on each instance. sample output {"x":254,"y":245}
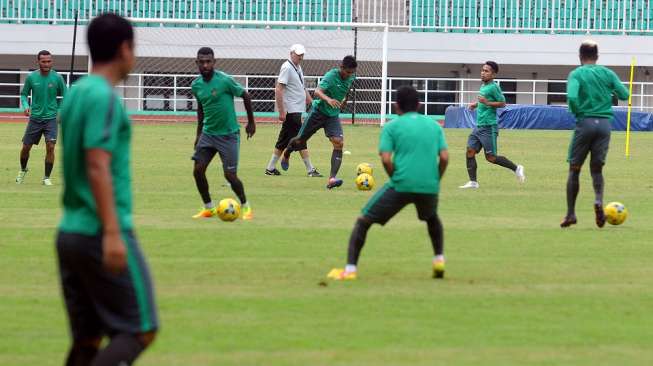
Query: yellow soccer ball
{"x":365,"y":182}
{"x":615,"y":213}
{"x":364,"y":168}
{"x":228,"y":209}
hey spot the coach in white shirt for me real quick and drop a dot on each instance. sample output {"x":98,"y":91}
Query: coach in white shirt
{"x":292,"y":99}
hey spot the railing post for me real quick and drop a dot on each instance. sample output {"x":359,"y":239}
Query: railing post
{"x":426,"y":97}
{"x":533,"y":91}
{"x":641,"y":97}
{"x":174,"y":93}
{"x":141,"y":96}
{"x":462,"y":92}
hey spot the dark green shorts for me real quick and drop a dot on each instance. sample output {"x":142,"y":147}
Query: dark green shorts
{"x":484,"y":137}
{"x":227,"y":146}
{"x":591,"y":135}
{"x":387,"y":202}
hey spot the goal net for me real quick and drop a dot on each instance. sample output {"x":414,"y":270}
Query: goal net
{"x":253,"y":52}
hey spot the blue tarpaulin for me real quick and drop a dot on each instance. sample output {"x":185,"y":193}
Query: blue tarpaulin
{"x":543,"y":117}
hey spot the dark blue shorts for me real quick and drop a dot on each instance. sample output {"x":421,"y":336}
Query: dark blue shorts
{"x":484,"y":137}
{"x":99,"y":302}
{"x":387,"y":202}
{"x":36,"y":128}
{"x":591,"y":135}
{"x":316,"y":120}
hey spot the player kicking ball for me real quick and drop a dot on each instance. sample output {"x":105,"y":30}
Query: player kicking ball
{"x":330,"y":98}
{"x":218,"y":131}
{"x":486,"y":132}
{"x":414,"y":153}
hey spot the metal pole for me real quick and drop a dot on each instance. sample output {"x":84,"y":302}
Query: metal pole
{"x":384,"y":75}
{"x":353,"y":100}
{"x":72,"y":57}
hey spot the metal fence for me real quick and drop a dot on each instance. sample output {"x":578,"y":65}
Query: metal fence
{"x":142,"y":92}
{"x":633,"y":17}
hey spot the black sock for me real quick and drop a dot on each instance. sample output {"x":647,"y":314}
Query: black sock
{"x":471,"y":168}
{"x":504,"y":162}
{"x":48,"y":169}
{"x":572,"y":191}
{"x":122,"y":350}
{"x":336,"y":160}
{"x":357,"y":240}
{"x":437,"y":234}
{"x":81,"y":355}
{"x":597,"y":183}
{"x":238,"y":188}
{"x":23,"y":162}
{"x":202,"y":185}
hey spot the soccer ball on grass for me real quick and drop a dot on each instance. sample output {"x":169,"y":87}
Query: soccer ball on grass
{"x":365,"y":182}
{"x":615,"y":213}
{"x":228,"y":209}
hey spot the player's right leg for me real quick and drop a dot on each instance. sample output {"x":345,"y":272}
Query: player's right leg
{"x":32,"y":136}
{"x":473,"y":147}
{"x":204,"y":153}
{"x":385,"y":203}
{"x":50,"y":133}
{"x":427,"y":211}
{"x":599,"y":151}
{"x":229,"y":150}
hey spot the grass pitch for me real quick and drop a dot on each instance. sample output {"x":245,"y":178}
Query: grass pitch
{"x":519,"y":290}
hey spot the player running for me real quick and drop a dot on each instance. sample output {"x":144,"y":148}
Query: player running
{"x":590,"y":88}
{"x":331,"y":97}
{"x":414,"y":154}
{"x":486,"y":132}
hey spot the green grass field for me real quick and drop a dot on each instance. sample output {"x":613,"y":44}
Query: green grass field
{"x":519,"y":290}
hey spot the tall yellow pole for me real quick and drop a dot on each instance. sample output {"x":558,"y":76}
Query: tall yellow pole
{"x":630,"y":106}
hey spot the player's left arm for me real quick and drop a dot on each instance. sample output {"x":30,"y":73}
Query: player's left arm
{"x":444,"y":154}
{"x":386,"y":147}
{"x":250,"y":129}
{"x":386,"y":160}
{"x":61,"y":90}
{"x":619,"y":88}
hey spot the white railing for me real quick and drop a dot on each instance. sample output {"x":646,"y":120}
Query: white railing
{"x":528,"y":16}
{"x":436,"y":93}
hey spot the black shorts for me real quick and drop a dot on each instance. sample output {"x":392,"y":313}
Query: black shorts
{"x":101,"y":303}
{"x":591,"y":135}
{"x":387,"y":202}
{"x":228,"y":146}
{"x":484,"y":137}
{"x":316,"y":120}
{"x":289,"y":129}
{"x":36,"y":128}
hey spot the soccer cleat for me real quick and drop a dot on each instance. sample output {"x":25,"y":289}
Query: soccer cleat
{"x":470,"y":185}
{"x":206,"y":213}
{"x":285,"y":163}
{"x":47,"y":182}
{"x":314,"y":173}
{"x":247,"y":213}
{"x":600,"y":215}
{"x":21,"y":176}
{"x":438,"y":268}
{"x":333,"y":183}
{"x":519,"y":172}
{"x":568,"y":220}
{"x":272,"y":172}
{"x":339,"y":274}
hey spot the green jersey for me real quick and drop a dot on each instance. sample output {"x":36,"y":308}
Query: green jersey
{"x":45,"y":90}
{"x":486,"y":115}
{"x":92,"y":117}
{"x":334,"y":87}
{"x":217,"y":99}
{"x":415,"y":142}
{"x":590,"y":89}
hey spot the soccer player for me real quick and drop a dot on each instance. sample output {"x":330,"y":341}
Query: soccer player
{"x":485,"y":134}
{"x":106,"y":283}
{"x":218,"y":130}
{"x":414,"y":154}
{"x":590,"y":88}
{"x":331,"y":96}
{"x":46,"y":85}
{"x":292,"y":99}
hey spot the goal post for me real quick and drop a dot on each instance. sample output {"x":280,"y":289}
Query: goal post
{"x":252,"y":52}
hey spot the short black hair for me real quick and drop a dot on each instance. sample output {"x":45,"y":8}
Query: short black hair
{"x":105,"y":34}
{"x":589,"y":50}
{"x":42,"y":53}
{"x":493,"y":65}
{"x":407,"y":98}
{"x":349,"y":62}
{"x":205,"y":51}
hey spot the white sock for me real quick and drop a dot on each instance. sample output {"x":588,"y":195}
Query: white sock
{"x":307,"y":162}
{"x":438,"y":258}
{"x":350,"y":268}
{"x":273,"y":162}
{"x":209,"y":205}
